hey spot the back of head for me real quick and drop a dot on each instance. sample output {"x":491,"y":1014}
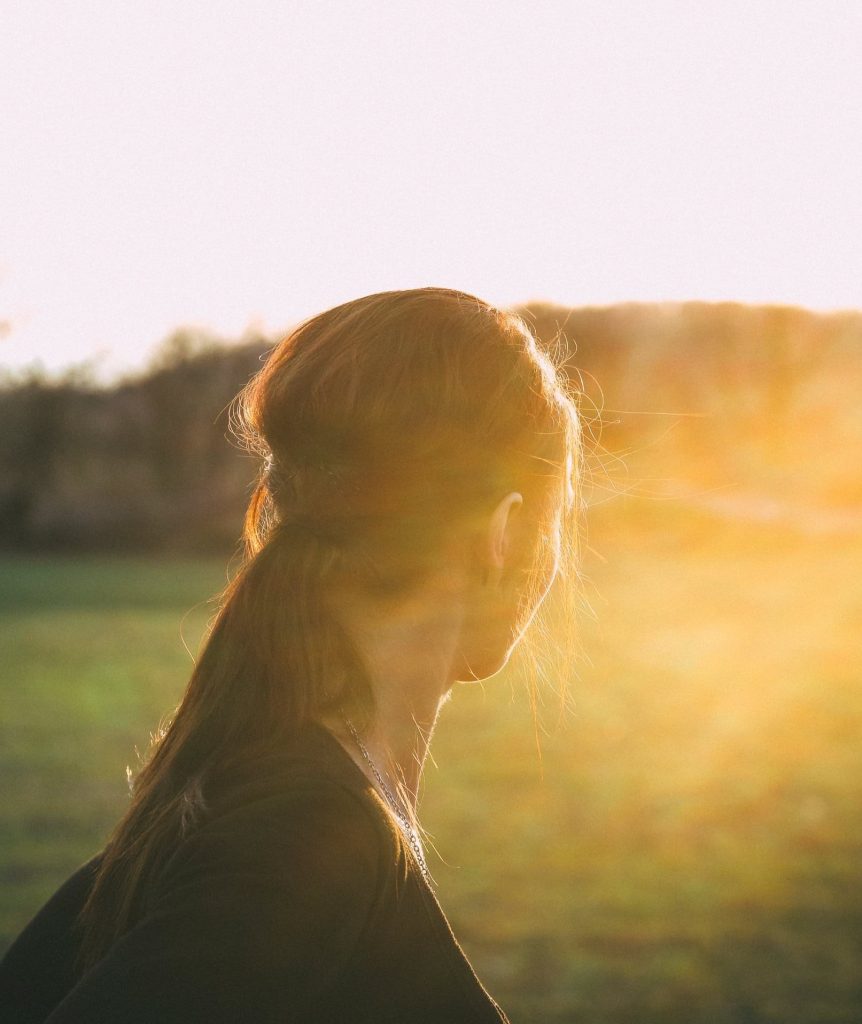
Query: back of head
{"x":389,"y":424}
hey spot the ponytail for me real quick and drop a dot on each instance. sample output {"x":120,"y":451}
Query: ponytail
{"x":275,"y":658}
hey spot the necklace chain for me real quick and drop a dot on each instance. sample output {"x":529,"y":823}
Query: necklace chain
{"x":395,"y":804}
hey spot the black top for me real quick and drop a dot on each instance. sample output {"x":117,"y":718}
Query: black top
{"x":299,"y":900}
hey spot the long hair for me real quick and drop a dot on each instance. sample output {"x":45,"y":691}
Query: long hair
{"x":382,"y":425}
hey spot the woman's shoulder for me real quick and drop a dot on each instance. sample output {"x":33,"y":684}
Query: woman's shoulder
{"x":37,"y":970}
{"x":264,"y":900}
{"x":306,"y":811}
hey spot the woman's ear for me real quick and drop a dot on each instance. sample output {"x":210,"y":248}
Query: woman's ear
{"x":499,"y":536}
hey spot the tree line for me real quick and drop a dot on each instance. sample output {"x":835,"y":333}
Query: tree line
{"x":674,"y":396}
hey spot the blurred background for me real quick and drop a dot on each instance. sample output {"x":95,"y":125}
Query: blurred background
{"x":669,"y":194}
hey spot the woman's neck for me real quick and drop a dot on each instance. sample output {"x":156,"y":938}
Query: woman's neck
{"x":393,"y":745}
{"x":410,"y":655}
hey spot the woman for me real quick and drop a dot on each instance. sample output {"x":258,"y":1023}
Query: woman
{"x":415,"y":502}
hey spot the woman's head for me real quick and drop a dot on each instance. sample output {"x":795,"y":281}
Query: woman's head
{"x":392,"y":427}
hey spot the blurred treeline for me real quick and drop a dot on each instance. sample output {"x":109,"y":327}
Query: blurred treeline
{"x":750,"y":410}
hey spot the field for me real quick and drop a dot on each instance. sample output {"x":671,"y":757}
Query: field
{"x":688,"y":847}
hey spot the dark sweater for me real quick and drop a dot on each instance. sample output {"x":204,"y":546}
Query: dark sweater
{"x":298,"y":900}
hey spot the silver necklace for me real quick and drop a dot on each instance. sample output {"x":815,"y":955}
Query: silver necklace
{"x":397,"y":810}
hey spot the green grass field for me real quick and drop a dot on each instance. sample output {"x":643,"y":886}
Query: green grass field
{"x":689,"y":847}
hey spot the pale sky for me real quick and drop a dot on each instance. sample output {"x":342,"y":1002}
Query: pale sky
{"x":235,"y":163}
